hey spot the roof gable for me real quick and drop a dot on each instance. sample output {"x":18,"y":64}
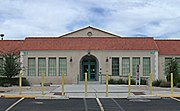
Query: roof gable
{"x":89,"y":32}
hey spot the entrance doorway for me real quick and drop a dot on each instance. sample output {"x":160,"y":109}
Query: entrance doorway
{"x":89,"y":66}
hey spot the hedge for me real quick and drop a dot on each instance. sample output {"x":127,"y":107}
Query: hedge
{"x":13,"y":81}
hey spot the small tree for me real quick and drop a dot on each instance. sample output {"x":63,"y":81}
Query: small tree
{"x":10,"y":66}
{"x":171,"y":67}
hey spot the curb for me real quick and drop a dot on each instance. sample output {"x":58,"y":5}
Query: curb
{"x":16,"y":96}
{"x":144,"y":97}
{"x":168,"y":95}
{"x":51,"y":97}
{"x":33,"y":96}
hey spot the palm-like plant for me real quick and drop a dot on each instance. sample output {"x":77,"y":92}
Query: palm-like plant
{"x":171,"y":67}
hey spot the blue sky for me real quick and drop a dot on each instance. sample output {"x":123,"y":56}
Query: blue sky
{"x":154,"y":18}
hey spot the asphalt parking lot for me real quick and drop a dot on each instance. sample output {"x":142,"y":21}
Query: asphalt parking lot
{"x":89,"y":104}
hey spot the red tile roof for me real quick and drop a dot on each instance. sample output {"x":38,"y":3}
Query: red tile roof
{"x":165,"y":47}
{"x":89,"y":43}
{"x":10,"y":45}
{"x":168,"y":47}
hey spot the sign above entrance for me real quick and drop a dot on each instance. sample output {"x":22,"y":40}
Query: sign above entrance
{"x":152,"y":52}
{"x":25,"y":52}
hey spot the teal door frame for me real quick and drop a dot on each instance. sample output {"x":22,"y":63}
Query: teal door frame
{"x":90,"y":69}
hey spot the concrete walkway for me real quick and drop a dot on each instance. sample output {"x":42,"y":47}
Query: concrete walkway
{"x":74,"y":91}
{"x":94,"y":91}
{"x":114,"y":91}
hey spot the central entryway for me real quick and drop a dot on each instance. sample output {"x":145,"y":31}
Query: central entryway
{"x":89,"y":65}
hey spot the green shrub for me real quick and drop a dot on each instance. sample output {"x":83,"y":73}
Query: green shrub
{"x":4,"y":80}
{"x":120,"y":81}
{"x":177,"y":80}
{"x":25,"y":82}
{"x":165,"y":84}
{"x":156,"y":83}
{"x":112,"y":81}
{"x":143,"y":82}
{"x":115,"y":81}
{"x":178,"y":85}
{"x":133,"y":82}
{"x":13,"y":81}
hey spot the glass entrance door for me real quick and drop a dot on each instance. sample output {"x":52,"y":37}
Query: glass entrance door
{"x":89,"y":67}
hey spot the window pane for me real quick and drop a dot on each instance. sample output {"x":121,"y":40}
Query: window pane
{"x":62,"y":66}
{"x":125,"y":66}
{"x":31,"y":67}
{"x":135,"y":62}
{"x":41,"y":66}
{"x":115,"y":66}
{"x":146,"y":66}
{"x":52,"y":67}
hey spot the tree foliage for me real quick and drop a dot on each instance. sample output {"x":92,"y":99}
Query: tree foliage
{"x":10,"y":66}
{"x":172,"y":67}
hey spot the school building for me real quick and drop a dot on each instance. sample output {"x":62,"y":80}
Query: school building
{"x":93,"y":51}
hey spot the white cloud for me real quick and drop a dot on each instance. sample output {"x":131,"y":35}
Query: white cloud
{"x":158,"y":18}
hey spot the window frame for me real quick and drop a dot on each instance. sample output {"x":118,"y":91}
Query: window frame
{"x":124,"y":72}
{"x":144,"y":67}
{"x":31,"y":68}
{"x":42,"y":67}
{"x":135,"y":64}
{"x":60,"y":68}
{"x":117,"y":66}
{"x":53,"y":69}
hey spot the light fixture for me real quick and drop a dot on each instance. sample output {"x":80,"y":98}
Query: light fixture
{"x":70,"y":59}
{"x":2,"y":35}
{"x":107,"y":59}
{"x":89,"y":53}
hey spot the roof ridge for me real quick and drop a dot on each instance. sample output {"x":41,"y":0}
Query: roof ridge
{"x":40,"y":37}
{"x":139,"y":37}
{"x":89,"y":37}
{"x":11,"y":40}
{"x":168,"y":40}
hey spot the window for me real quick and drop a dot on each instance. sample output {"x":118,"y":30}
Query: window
{"x":178,"y":64}
{"x":52,"y":67}
{"x":167,"y":63}
{"x":115,"y":66}
{"x":125,"y":66}
{"x":31,"y":67}
{"x":135,"y":62}
{"x":41,"y":66}
{"x":62,"y":66}
{"x":1,"y":65}
{"x":146,"y":66}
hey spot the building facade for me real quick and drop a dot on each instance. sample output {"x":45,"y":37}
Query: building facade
{"x":93,"y":51}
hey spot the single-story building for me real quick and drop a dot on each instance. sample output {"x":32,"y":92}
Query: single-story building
{"x":93,"y":51}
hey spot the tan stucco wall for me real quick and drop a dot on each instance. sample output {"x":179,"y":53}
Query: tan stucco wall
{"x":73,"y":68}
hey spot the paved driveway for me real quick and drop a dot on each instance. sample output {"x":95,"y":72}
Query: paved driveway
{"x":89,"y":104}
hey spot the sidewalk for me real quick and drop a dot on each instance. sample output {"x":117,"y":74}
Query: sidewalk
{"x":94,"y":90}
